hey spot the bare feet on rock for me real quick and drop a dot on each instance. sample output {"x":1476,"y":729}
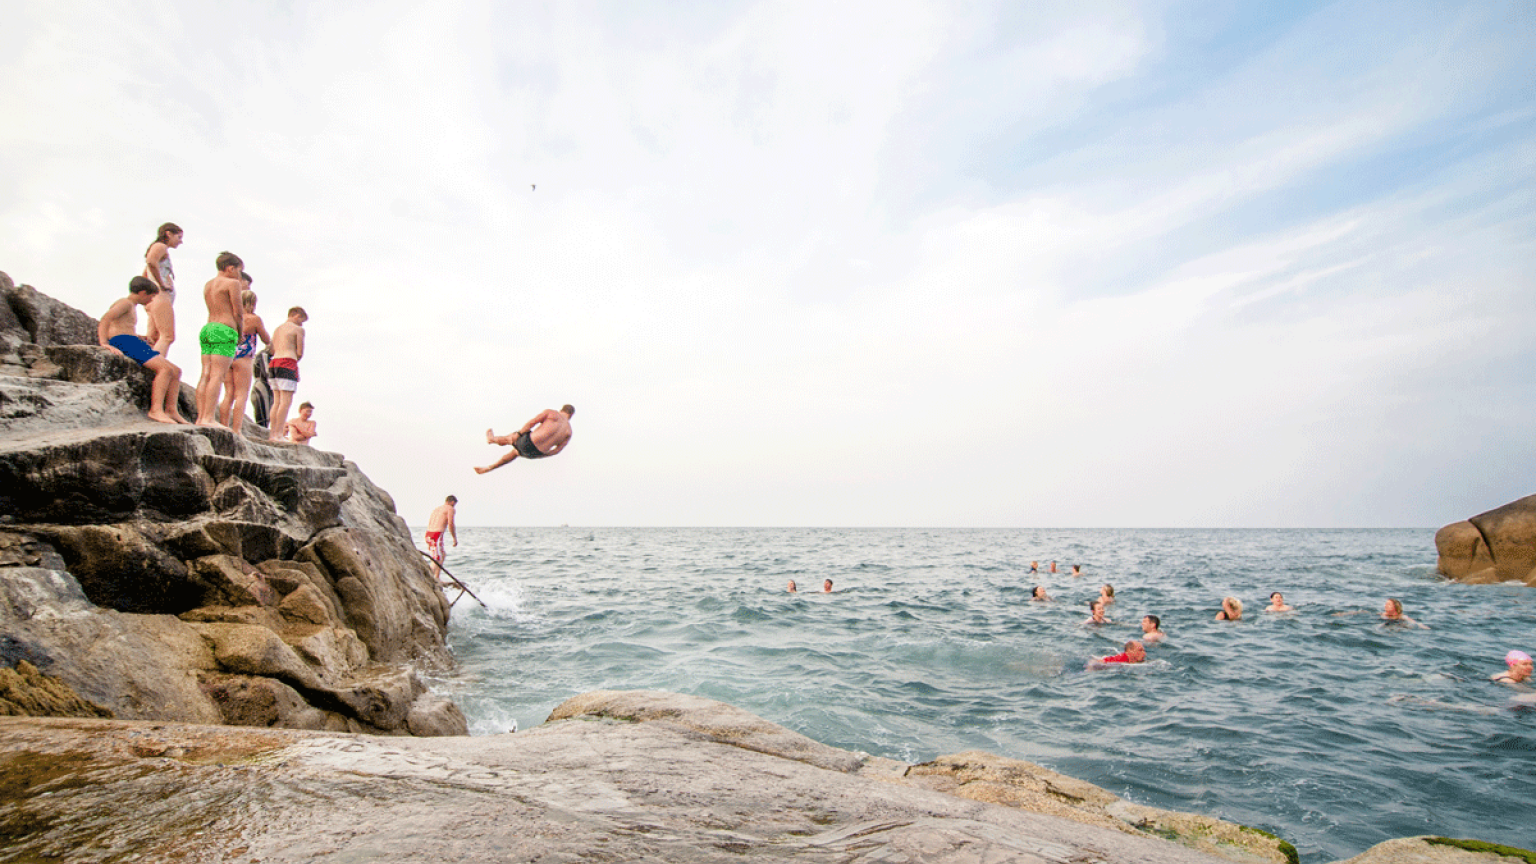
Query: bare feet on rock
{"x":162,"y":417}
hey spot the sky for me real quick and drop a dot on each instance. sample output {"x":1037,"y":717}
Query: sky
{"x":904,"y":263}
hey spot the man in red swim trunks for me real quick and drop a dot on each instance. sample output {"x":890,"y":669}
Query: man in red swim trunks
{"x":441,"y":520}
{"x":1134,"y":652}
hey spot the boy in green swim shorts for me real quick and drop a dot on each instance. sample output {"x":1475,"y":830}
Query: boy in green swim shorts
{"x":220,"y":336}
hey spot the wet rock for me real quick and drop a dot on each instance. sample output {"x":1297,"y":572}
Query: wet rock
{"x":1496,"y":546}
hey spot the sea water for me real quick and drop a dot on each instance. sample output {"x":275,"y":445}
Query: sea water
{"x":1334,"y":731}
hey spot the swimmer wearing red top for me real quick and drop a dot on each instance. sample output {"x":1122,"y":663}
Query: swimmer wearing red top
{"x":1134,"y":653}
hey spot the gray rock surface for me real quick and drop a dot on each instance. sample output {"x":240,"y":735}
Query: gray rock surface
{"x":697,"y":782}
{"x":598,"y":790}
{"x":1496,"y":546}
{"x":180,"y":573}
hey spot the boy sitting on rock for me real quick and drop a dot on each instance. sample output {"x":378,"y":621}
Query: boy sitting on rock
{"x":116,"y":333}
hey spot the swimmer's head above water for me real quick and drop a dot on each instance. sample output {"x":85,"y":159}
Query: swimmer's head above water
{"x":1519,"y":664}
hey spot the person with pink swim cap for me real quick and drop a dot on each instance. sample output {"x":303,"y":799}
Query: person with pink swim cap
{"x":1519,"y":672}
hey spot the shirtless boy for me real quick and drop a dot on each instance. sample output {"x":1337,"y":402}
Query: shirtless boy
{"x":283,"y":371}
{"x":544,"y":435}
{"x":157,"y":269}
{"x":441,"y":520}
{"x":302,"y":429}
{"x":116,"y":333}
{"x":220,"y":336}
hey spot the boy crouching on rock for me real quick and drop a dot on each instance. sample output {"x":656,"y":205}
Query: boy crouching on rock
{"x":116,"y":333}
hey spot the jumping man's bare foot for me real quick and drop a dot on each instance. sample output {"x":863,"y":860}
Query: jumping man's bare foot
{"x":479,"y":470}
{"x":490,"y":437}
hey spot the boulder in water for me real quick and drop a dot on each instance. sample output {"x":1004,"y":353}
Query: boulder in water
{"x":1496,"y":546}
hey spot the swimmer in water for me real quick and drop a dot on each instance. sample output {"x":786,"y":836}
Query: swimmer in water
{"x":1392,"y":613}
{"x":791,"y":589}
{"x":1077,"y":570}
{"x":1107,"y":594}
{"x":826,"y":587}
{"x":1097,"y":614}
{"x":1134,"y":652}
{"x":1034,"y":566}
{"x":1152,"y":629}
{"x":1277,"y":603}
{"x":1519,"y":672}
{"x":1231,"y":609}
{"x":1039,"y":594}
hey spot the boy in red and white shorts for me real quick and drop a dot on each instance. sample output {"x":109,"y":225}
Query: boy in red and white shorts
{"x":441,"y":520}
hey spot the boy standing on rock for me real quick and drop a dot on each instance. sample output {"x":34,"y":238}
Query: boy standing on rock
{"x":116,"y":333}
{"x":220,"y":336}
{"x":283,"y":371}
{"x":441,"y":520}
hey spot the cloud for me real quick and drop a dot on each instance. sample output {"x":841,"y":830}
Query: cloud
{"x":798,"y":264}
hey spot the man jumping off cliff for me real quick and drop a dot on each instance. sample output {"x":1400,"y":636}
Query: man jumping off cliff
{"x":544,"y":435}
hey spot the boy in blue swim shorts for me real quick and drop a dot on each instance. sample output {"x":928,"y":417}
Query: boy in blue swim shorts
{"x":116,"y":333}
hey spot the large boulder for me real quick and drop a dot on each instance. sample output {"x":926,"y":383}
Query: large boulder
{"x":188,"y":573}
{"x":1496,"y":546}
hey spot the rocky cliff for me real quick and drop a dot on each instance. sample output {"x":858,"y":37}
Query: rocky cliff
{"x":180,"y":573}
{"x":1497,"y":546}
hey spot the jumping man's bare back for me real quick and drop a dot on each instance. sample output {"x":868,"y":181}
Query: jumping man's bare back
{"x":549,"y":432}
